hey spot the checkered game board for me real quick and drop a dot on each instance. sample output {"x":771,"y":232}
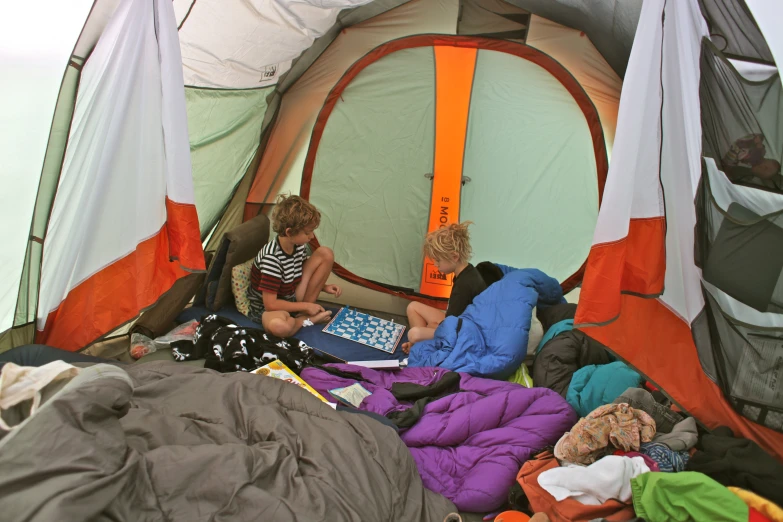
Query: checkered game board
{"x":366,"y":329}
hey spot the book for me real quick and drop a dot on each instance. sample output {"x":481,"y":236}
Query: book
{"x":379,"y":365}
{"x":278,"y":370}
{"x":352,"y":395}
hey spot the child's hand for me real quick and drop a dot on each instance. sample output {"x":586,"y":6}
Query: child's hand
{"x":333,"y":290}
{"x":312,"y":309}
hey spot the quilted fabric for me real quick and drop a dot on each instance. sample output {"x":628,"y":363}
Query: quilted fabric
{"x":596,"y":385}
{"x":469,"y":445}
{"x":240,"y":282}
{"x":490,"y":338}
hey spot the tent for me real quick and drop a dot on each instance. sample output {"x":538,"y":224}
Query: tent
{"x":252,"y":107}
{"x":377,"y":111}
{"x":683,"y":278}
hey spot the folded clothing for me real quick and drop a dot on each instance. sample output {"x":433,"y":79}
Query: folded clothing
{"x":661,"y":497}
{"x":609,"y":478}
{"x":640,"y":399}
{"x":739,"y":462}
{"x":528,"y":495}
{"x":683,"y":436}
{"x":618,"y":425}
{"x":647,"y":460}
{"x":668,"y":460}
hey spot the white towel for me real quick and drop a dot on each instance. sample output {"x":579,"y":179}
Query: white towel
{"x":22,"y":383}
{"x":609,"y":478}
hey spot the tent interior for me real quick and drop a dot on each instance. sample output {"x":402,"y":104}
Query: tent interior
{"x":618,"y":160}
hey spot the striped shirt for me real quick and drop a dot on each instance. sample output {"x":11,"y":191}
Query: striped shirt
{"x":276,"y":272}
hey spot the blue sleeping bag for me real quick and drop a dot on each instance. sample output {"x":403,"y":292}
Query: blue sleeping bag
{"x":490,"y":338}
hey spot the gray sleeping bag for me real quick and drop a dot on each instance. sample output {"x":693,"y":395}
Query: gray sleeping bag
{"x":161,"y":441}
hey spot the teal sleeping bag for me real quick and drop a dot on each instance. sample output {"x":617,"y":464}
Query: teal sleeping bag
{"x":595,"y":385}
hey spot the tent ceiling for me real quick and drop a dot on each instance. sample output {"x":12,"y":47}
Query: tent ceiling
{"x":249,"y":44}
{"x":610,"y":24}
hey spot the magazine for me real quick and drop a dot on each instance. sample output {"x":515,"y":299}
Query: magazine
{"x":278,"y":370}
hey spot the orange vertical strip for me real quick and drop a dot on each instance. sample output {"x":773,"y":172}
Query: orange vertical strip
{"x":454,"y":67}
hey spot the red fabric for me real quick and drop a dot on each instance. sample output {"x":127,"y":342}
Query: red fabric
{"x":569,"y":509}
{"x":755,"y":516}
{"x":635,"y":264}
{"x":184,"y":236}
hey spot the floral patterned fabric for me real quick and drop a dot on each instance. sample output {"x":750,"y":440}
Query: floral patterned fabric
{"x":605,"y":428}
{"x":240,"y":282}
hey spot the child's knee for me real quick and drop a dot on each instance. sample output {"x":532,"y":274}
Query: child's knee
{"x":416,"y":307}
{"x":415,"y":334}
{"x":280,"y":328}
{"x":280,"y":324}
{"x":325,"y":253}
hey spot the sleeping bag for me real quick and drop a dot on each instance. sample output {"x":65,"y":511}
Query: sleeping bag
{"x":554,"y":366}
{"x":468,"y":436}
{"x":596,"y":385}
{"x":490,"y":338}
{"x":163,"y":441}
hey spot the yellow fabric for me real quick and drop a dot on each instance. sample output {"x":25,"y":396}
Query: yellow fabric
{"x":767,"y":508}
{"x":240,"y":282}
{"x":521,"y":376}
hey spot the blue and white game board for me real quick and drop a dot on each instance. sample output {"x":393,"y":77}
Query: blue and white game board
{"x":366,"y":329}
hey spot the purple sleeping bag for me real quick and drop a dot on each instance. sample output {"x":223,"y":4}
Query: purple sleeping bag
{"x":470,"y":445}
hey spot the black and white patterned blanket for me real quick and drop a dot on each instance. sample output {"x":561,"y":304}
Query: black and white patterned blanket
{"x":227,"y":347}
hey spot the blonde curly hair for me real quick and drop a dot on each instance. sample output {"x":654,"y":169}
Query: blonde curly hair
{"x":294,"y":212}
{"x":455,"y":238}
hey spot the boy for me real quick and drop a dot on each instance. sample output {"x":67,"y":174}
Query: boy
{"x":284,"y":284}
{"x":449,"y":248}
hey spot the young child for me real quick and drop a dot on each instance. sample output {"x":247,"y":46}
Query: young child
{"x":284,"y":283}
{"x":449,"y":248}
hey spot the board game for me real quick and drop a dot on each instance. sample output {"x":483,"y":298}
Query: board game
{"x":366,"y":329}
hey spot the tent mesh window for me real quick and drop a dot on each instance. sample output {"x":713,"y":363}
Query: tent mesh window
{"x":740,"y":251}
{"x":739,"y":230}
{"x":742,"y":127}
{"x":734,"y":30}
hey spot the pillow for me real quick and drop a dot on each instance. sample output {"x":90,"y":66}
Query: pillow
{"x":238,"y":245}
{"x":240,"y":282}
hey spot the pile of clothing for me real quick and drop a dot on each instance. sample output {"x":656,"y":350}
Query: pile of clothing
{"x":637,"y":459}
{"x":631,"y":456}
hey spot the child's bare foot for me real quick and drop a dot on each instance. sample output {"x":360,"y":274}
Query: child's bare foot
{"x":321,"y":317}
{"x":406,"y":347}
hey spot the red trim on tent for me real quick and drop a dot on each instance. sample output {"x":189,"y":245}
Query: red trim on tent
{"x":658,"y":343}
{"x":635,"y":264}
{"x":522,"y":51}
{"x":117,"y":293}
{"x":184,"y":235}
